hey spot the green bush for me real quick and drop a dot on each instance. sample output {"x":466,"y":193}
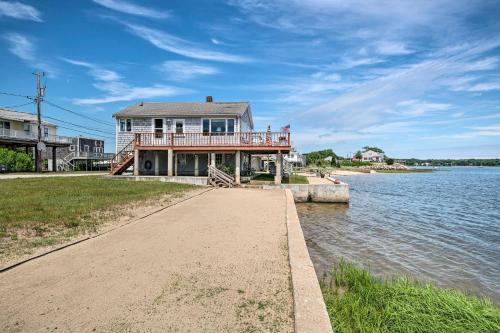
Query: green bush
{"x":16,"y":161}
{"x":347,"y":163}
{"x":389,"y":161}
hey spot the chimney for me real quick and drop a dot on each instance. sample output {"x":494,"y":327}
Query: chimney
{"x":208,"y":99}
{"x":142,"y":103}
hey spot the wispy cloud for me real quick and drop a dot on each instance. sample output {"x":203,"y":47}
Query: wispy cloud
{"x":128,"y":7}
{"x":170,"y":43}
{"x":24,"y":47}
{"x":96,"y":71}
{"x":415,"y":107}
{"x":392,"y":48}
{"x":20,"y":11}
{"x":185,"y":70}
{"x":115,"y":90}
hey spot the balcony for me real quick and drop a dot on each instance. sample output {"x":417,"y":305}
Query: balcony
{"x":24,"y":137}
{"x":250,"y":141}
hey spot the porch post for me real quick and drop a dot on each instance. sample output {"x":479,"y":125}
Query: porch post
{"x":136,"y":162}
{"x":237,"y":166}
{"x":170,"y":162}
{"x":277,"y":177}
{"x":157,"y":164}
{"x":54,"y":159}
{"x":212,"y":159}
{"x":196,"y":166}
{"x":175,"y":164}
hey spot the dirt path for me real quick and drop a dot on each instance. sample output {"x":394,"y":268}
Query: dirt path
{"x":215,"y":263}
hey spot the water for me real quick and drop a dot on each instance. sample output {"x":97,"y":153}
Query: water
{"x":442,"y":227}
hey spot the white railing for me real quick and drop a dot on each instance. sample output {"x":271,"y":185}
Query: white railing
{"x":90,"y":155}
{"x":23,"y":135}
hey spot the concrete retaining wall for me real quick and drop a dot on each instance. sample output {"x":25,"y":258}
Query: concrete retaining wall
{"x":200,"y":181}
{"x":332,"y":193}
{"x":308,"y":305}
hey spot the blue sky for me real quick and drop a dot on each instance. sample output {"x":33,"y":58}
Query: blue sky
{"x":417,"y":78}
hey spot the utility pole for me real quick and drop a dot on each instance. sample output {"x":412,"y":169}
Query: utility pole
{"x":40,"y":92}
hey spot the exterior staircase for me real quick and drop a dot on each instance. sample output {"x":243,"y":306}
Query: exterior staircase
{"x":218,"y":178}
{"x":67,"y":163}
{"x":123,"y":159}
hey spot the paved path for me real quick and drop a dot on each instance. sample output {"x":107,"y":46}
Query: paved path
{"x":50,"y":174}
{"x":214,"y":263}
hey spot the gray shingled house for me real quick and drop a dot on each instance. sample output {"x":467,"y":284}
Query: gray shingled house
{"x":193,"y":139}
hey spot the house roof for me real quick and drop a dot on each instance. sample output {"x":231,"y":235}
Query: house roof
{"x":21,"y":116}
{"x":185,"y":109}
{"x":371,"y":153}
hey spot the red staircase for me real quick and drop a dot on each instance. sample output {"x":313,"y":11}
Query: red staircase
{"x":124,"y":159}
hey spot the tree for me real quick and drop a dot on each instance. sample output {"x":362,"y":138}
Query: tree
{"x":358,"y":155}
{"x":375,"y":149}
{"x":389,"y":161}
{"x":318,"y":157}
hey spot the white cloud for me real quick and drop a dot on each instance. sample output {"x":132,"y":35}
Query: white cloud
{"x":133,"y":9}
{"x":215,"y":41}
{"x":392,"y":48}
{"x":20,"y":11}
{"x":415,"y":107}
{"x":96,"y":71}
{"x":24,"y":48}
{"x":110,"y":83}
{"x":170,"y":43}
{"x":185,"y":70}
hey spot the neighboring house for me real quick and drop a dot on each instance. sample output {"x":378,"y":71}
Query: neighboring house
{"x":295,"y":159}
{"x":372,"y":156}
{"x":188,"y":139}
{"x":87,"y":153}
{"x":20,"y":129}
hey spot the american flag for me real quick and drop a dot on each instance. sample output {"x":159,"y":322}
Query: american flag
{"x":286,"y":128}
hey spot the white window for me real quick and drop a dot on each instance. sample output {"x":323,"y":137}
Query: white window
{"x":158,"y":128}
{"x":97,"y":149}
{"x":27,"y":127}
{"x":46,"y":132}
{"x":179,"y":126}
{"x":5,"y":124}
{"x":219,"y":126}
{"x":86,"y":148}
{"x":125,"y":125}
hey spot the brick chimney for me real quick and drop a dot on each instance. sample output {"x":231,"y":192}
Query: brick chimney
{"x":208,"y":99}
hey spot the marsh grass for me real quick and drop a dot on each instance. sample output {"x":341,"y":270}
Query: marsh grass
{"x":43,"y":211}
{"x":293,"y":179}
{"x":358,"y":302}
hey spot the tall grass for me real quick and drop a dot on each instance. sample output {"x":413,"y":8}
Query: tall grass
{"x":358,"y":302}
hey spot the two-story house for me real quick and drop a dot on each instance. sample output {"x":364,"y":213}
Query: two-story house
{"x":20,"y":129}
{"x":192,"y":139}
{"x":372,"y":156}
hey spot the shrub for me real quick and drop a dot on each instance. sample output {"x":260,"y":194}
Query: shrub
{"x":16,"y":161}
{"x":389,"y":161}
{"x":347,"y":163}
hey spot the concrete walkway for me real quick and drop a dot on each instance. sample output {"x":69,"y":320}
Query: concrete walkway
{"x":51,"y":174}
{"x":214,"y":263}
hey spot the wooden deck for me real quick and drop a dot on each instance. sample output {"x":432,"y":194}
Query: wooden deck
{"x":245,"y":141}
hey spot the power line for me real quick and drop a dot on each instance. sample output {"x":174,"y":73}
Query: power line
{"x":16,"y":106}
{"x":93,"y":134}
{"x":17,"y":95}
{"x":77,"y":125}
{"x":79,"y":114}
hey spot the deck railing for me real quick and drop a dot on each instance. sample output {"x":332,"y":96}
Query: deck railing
{"x":30,"y":136}
{"x":237,"y":139}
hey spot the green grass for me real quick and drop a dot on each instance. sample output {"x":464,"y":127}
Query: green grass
{"x":293,"y":179}
{"x":406,"y":171}
{"x":358,"y":302}
{"x":39,"y":211}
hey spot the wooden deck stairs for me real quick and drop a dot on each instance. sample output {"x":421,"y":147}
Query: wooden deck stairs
{"x":123,"y":160}
{"x":218,"y":178}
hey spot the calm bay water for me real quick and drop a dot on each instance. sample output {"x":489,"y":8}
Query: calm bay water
{"x":442,"y":227}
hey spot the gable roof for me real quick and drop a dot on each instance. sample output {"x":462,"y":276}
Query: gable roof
{"x":21,"y":116}
{"x":185,"y":109}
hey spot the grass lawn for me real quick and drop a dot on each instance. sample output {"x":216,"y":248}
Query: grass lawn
{"x":293,"y":179}
{"x":40,"y":211}
{"x":358,"y":302}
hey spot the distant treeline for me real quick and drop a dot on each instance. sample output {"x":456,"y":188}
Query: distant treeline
{"x":450,"y":162}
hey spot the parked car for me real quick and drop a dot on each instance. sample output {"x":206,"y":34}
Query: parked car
{"x":3,"y":168}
